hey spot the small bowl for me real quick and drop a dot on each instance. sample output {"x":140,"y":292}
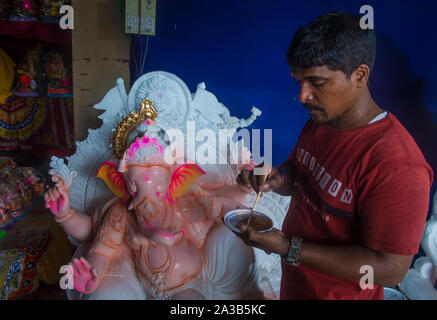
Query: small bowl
{"x":259,"y":222}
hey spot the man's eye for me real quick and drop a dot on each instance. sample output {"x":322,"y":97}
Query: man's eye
{"x":317,"y":84}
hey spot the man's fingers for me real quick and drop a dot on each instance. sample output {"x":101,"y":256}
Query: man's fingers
{"x":261,"y":179}
{"x":275,"y":180}
{"x":254,"y":182}
{"x":244,"y":179}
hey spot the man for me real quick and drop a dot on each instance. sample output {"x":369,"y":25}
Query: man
{"x":359,"y":184}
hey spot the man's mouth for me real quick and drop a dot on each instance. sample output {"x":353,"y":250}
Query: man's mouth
{"x":311,"y":108}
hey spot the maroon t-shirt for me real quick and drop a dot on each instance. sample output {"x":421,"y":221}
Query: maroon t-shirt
{"x":369,"y":186}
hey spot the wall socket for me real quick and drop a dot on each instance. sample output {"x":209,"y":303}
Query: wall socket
{"x":140,"y":17}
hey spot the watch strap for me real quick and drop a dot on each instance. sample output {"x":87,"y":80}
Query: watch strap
{"x":292,"y":257}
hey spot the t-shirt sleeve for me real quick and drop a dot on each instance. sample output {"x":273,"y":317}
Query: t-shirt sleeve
{"x":393,"y":207}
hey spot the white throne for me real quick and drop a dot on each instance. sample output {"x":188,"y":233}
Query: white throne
{"x":176,"y":105}
{"x":419,"y":282}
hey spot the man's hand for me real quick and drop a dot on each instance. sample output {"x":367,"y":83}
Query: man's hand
{"x":249,"y":180}
{"x":273,"y":241}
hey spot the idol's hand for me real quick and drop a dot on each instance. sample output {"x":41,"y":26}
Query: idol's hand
{"x":247,"y":179}
{"x":273,"y":241}
{"x":58,"y":201}
{"x":85,"y":277}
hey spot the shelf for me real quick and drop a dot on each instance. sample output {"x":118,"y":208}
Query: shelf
{"x":42,"y":31}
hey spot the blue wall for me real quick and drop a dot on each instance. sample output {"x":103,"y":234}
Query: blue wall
{"x":237,"y":47}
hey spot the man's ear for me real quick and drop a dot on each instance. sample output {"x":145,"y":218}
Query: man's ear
{"x":361,"y":75}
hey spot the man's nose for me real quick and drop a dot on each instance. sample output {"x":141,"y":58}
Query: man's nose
{"x":305,"y":94}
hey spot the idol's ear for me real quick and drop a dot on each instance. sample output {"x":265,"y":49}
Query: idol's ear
{"x":182,"y":180}
{"x":108,"y":171}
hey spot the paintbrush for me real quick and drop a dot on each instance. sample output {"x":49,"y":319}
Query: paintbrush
{"x":256,"y":202}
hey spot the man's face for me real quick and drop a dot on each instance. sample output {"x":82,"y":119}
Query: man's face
{"x":326,"y":94}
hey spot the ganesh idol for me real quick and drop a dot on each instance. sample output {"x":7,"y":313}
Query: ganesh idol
{"x":161,"y":236}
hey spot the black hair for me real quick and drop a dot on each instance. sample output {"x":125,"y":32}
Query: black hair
{"x":334,"y":39}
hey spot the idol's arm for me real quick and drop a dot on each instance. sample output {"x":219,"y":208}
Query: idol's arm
{"x":90,"y":271}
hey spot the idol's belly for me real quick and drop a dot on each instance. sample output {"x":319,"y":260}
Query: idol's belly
{"x":180,"y":262}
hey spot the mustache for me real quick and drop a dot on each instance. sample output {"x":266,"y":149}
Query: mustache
{"x":311,"y":107}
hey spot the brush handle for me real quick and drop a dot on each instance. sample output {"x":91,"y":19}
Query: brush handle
{"x":256,"y":203}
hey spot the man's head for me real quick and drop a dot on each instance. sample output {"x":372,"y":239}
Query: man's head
{"x":332,"y":59}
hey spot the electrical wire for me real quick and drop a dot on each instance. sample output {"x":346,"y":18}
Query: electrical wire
{"x":139,"y":67}
{"x":145,"y":54}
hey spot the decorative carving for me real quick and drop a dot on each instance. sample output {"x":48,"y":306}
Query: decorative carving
{"x":60,"y":173}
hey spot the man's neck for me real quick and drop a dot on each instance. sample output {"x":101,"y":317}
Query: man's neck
{"x":358,"y":115}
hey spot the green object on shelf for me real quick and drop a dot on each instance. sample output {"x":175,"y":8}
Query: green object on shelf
{"x":2,"y":234}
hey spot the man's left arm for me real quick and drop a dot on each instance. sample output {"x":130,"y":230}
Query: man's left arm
{"x":347,"y":262}
{"x":392,"y":213}
{"x":343,"y":261}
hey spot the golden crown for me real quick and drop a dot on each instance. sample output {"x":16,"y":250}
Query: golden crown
{"x":129,"y":124}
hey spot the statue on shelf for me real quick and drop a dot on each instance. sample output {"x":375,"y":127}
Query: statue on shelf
{"x":161,"y":236}
{"x":25,"y":10}
{"x":27,"y":73}
{"x":50,"y":9}
{"x":5,"y":9}
{"x":58,"y":76}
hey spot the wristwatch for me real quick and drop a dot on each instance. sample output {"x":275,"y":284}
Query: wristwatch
{"x":292,"y":257}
